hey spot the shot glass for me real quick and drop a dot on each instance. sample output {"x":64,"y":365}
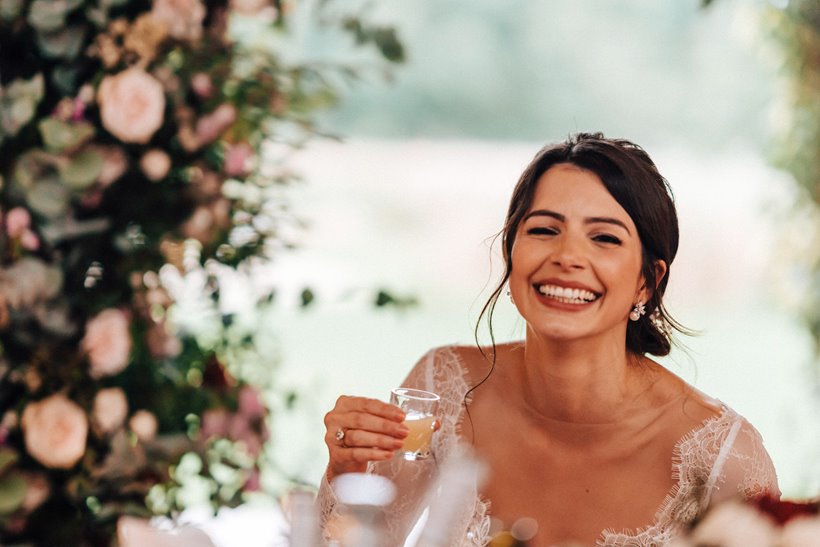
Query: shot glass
{"x":420,"y":408}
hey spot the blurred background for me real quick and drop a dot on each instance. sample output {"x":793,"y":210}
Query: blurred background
{"x":412,"y":194}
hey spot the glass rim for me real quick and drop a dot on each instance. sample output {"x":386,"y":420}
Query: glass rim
{"x":415,"y":394}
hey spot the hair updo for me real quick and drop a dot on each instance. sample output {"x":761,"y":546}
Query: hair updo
{"x":632,"y":178}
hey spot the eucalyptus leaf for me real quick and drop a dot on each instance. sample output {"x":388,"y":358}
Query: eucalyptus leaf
{"x":48,"y":197}
{"x":59,"y":135}
{"x":82,"y":170}
{"x":12,"y":493}
{"x":10,"y":9}
{"x":50,"y":15}
{"x":32,"y":166}
{"x":18,"y":103}
{"x":64,"y":78}
{"x":8,"y":457}
{"x":65,"y":43}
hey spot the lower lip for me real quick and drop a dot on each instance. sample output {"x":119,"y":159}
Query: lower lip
{"x":557,"y":304}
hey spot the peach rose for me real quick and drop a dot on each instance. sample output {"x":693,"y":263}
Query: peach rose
{"x":37,"y":491}
{"x":182,"y":17}
{"x":110,"y":409}
{"x":55,"y":430}
{"x":155,"y":164}
{"x":132,"y":105}
{"x":107,"y":342}
{"x":115,"y":163}
{"x":144,"y":424}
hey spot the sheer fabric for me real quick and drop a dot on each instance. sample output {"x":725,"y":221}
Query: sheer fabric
{"x":722,"y":458}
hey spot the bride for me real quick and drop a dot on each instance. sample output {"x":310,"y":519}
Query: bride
{"x":584,"y":436}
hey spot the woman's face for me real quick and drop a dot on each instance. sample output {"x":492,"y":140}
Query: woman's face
{"x":576,"y":260}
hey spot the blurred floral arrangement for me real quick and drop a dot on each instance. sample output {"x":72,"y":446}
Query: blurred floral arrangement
{"x":142,"y":164}
{"x":760,"y":522}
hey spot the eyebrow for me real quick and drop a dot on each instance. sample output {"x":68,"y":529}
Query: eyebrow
{"x":588,"y":220}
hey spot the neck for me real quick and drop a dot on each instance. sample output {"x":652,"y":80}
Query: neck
{"x":579,"y":382}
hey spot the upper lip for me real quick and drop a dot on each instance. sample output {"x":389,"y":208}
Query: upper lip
{"x":566,"y":284}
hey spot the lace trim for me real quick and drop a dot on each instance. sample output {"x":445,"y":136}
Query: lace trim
{"x":698,"y":454}
{"x":697,"y":464}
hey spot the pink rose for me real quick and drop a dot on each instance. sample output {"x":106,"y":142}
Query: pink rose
{"x":17,"y":222}
{"x":255,"y":8}
{"x":155,"y":164}
{"x":107,"y":342}
{"x":55,"y":431}
{"x":182,"y":17}
{"x":211,"y":126}
{"x":110,"y":409}
{"x":238,"y":160}
{"x":144,"y":424}
{"x":215,"y":423}
{"x":202,"y":84}
{"x":132,"y":105}
{"x":250,"y":404}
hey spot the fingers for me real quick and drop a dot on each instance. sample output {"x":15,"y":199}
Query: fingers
{"x":369,"y":406}
{"x":360,"y":430}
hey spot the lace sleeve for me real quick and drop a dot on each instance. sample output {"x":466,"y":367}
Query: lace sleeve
{"x":433,"y":372}
{"x":743,"y":467}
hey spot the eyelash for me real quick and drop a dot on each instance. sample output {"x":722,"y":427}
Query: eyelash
{"x":600,"y":238}
{"x":607,"y":238}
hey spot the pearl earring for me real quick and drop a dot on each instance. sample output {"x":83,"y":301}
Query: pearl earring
{"x":638,"y":311}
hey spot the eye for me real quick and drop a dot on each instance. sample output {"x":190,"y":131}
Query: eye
{"x":607,"y":239}
{"x":542,"y":231}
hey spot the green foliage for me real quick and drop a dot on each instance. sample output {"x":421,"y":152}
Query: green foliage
{"x":797,"y":28}
{"x":142,"y":176}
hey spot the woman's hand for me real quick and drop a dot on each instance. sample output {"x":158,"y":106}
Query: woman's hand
{"x":361,"y":430}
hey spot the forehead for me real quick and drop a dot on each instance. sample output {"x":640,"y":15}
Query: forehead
{"x":571,"y":190}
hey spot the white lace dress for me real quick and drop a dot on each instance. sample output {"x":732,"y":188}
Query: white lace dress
{"x":722,"y":458}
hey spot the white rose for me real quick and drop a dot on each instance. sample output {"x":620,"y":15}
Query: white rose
{"x":110,"y":409}
{"x":144,"y":424}
{"x":132,"y":105}
{"x":733,"y":524}
{"x":136,"y":532}
{"x":155,"y":164}
{"x":801,"y":532}
{"x":107,"y":342}
{"x":55,"y":430}
{"x":182,"y":17}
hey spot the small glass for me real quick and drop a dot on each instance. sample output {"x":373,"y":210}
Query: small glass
{"x":420,"y":408}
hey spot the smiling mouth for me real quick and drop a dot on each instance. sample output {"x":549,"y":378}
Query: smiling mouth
{"x":565,"y":295}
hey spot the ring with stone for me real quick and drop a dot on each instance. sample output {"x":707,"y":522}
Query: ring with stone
{"x":340,"y":436}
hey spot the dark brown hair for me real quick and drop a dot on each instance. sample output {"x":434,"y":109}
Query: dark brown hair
{"x":632,"y":178}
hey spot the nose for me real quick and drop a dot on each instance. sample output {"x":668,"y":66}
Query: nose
{"x":567,"y":252}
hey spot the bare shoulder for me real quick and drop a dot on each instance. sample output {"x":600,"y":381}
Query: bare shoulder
{"x":478,"y":361}
{"x":690,"y":406}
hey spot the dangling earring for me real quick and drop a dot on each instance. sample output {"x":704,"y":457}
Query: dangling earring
{"x":509,"y":294}
{"x":638,"y":311}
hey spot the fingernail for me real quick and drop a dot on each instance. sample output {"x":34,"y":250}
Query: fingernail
{"x":397,"y":444}
{"x":404,"y":431}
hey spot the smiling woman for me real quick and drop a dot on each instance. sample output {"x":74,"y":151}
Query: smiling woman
{"x":585,"y":438}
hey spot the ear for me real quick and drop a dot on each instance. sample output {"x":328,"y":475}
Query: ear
{"x":645,"y":293}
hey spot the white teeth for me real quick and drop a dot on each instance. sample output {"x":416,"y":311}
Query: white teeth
{"x":567,"y":295}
